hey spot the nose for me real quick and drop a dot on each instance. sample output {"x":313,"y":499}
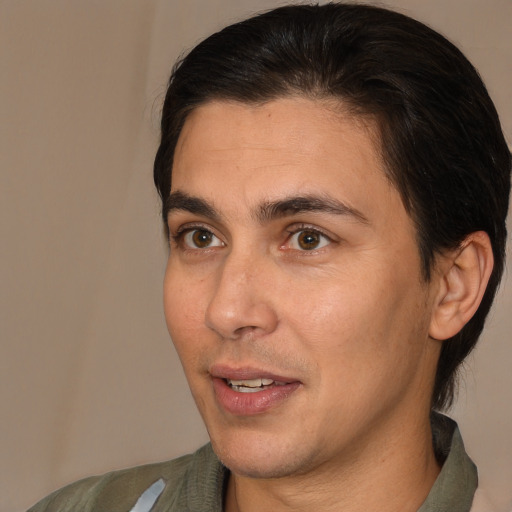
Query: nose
{"x":241,"y":303}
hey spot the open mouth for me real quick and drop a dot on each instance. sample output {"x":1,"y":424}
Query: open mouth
{"x":252,"y":385}
{"x":248,"y":391}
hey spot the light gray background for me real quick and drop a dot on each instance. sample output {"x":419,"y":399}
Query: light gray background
{"x":88,"y":379}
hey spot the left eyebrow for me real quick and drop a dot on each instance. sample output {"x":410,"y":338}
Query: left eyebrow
{"x":302,"y":204}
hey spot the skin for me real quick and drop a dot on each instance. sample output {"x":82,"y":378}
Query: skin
{"x":347,"y":318}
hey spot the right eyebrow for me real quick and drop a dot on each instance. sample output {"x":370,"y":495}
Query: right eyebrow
{"x":183,"y":202}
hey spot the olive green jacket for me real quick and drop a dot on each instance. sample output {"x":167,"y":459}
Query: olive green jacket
{"x":196,"y":482}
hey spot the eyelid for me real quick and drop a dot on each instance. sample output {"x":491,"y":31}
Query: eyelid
{"x":177,"y":237}
{"x":295,"y":229}
{"x":303,"y":226}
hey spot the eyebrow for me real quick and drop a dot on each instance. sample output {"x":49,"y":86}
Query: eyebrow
{"x":310,"y":203}
{"x":181,"y":201}
{"x":269,"y":210}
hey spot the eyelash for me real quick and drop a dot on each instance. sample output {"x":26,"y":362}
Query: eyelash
{"x":178,"y":238}
{"x":310,"y":229}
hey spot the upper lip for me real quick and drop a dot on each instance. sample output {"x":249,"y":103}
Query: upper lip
{"x":222,"y":371}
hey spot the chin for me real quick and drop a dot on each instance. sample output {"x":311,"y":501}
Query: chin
{"x":258,"y":456}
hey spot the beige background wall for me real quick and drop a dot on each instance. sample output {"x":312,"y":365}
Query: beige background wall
{"x":88,"y":379}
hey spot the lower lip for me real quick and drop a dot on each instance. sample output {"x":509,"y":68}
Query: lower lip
{"x":249,"y":404}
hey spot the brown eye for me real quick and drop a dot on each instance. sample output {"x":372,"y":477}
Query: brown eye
{"x":201,"y":239}
{"x":308,"y":240}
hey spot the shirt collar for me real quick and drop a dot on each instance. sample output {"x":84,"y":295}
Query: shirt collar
{"x":452,"y":491}
{"x":456,"y":484}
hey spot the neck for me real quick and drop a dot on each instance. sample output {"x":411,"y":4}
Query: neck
{"x":394,"y":472}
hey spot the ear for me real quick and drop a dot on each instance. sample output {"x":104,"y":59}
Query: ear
{"x":464,"y":274}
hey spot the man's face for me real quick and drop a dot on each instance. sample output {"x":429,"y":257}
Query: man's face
{"x":293,"y":261}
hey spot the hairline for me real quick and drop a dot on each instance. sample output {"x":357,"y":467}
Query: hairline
{"x":338,"y":105}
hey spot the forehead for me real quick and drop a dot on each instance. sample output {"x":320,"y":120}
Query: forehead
{"x":295,"y":128}
{"x":236,"y":155}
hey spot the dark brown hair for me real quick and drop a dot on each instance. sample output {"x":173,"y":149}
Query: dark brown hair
{"x":440,"y":135}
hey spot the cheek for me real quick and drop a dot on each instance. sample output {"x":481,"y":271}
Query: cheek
{"x":356,"y":318}
{"x":183,"y":323}
{"x":333,"y":305}
{"x":182,"y":307}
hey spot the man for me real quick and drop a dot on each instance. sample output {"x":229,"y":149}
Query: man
{"x":335,"y":184}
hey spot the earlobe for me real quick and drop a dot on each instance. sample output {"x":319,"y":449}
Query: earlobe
{"x":464,"y":276}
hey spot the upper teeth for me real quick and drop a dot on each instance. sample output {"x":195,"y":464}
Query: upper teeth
{"x":250,"y":383}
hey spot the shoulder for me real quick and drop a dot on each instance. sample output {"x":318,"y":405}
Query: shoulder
{"x":118,"y":491}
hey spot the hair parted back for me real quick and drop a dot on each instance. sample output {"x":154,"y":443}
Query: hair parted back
{"x":441,"y":139}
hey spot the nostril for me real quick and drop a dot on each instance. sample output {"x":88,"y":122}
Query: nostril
{"x":242,"y":322}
